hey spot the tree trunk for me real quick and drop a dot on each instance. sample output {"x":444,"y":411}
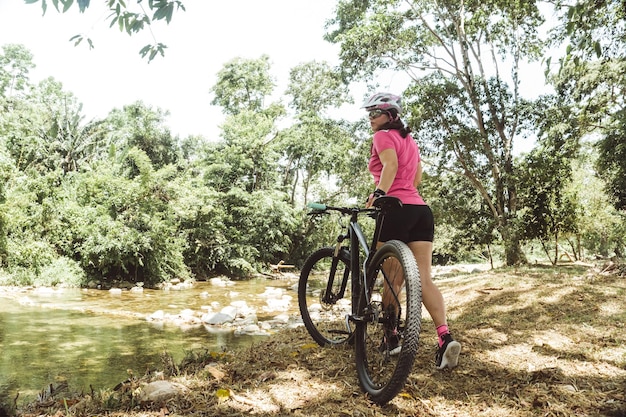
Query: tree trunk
{"x":512,"y":247}
{"x":556,"y":249}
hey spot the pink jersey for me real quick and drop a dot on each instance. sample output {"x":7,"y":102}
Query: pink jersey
{"x":408,"y":159}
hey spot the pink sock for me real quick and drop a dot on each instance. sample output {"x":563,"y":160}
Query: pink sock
{"x":441,"y":332}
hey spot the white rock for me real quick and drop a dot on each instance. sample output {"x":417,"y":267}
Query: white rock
{"x":315,"y":307}
{"x":243,"y":309}
{"x":159,"y":391}
{"x":157,"y":315}
{"x":277,"y":304}
{"x":250,"y":329}
{"x":229,"y":311}
{"x":282,"y":318}
{"x":226,"y":315}
{"x":272,"y":292}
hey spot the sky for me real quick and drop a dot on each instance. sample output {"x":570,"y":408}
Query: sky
{"x":200,"y":41}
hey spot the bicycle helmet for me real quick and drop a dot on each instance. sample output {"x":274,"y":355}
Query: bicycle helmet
{"x":383,"y":101}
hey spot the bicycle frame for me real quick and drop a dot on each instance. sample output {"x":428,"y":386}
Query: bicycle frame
{"x":357,"y":241}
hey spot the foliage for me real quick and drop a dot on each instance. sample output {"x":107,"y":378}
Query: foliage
{"x":612,"y":162}
{"x":123,"y":199}
{"x":15,"y":62}
{"x":464,"y":229}
{"x":138,"y":125}
{"x":592,"y":79}
{"x":549,"y":209}
{"x":602,"y":229}
{"x":126,"y":19}
{"x":5,"y":174}
{"x":466,"y":115}
{"x":243,"y":85}
{"x":591,"y":28}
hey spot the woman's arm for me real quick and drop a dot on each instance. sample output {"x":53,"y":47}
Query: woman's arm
{"x":418,"y":175}
{"x":389,"y":159}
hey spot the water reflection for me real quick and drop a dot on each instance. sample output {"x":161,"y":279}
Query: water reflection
{"x":91,"y":338}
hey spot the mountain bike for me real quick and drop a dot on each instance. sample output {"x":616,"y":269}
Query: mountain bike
{"x":366,"y":296}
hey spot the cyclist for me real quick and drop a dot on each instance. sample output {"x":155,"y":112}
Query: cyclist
{"x":396,"y":167}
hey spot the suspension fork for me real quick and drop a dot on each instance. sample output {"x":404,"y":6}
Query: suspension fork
{"x":329,"y":296}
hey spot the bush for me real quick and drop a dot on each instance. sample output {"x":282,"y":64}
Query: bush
{"x":61,"y":272}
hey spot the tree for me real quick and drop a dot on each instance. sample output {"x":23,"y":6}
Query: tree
{"x":592,"y":78}
{"x":120,"y":225}
{"x":243,"y":84}
{"x":138,"y":125}
{"x":5,"y":174}
{"x":121,"y":15}
{"x":601,"y":228}
{"x":465,"y":227}
{"x":247,"y":157}
{"x":314,"y":87}
{"x":591,"y":28}
{"x":15,"y":63}
{"x":316,"y":144}
{"x":45,"y":130}
{"x":464,"y":111}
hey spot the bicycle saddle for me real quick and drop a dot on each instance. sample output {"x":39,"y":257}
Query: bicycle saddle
{"x":387,"y":202}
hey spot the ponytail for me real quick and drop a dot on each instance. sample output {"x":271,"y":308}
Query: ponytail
{"x":396,"y":123}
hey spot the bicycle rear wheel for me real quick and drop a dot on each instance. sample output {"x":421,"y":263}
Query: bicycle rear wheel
{"x":325,"y":296}
{"x":388,"y":322}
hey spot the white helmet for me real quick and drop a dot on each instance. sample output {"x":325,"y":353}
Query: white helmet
{"x":383,"y":101}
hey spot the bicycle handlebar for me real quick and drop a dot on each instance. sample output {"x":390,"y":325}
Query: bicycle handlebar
{"x":323,"y":208}
{"x":383,"y":204}
{"x":317,"y":206}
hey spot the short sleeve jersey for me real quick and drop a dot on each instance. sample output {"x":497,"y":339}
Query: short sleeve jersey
{"x":408,"y":159}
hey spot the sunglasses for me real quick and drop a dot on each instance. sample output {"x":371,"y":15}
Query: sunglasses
{"x":376,"y":113}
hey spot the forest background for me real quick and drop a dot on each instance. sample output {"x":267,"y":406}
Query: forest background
{"x":123,"y":199}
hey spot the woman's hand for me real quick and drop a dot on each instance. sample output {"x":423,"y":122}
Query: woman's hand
{"x":370,"y":199}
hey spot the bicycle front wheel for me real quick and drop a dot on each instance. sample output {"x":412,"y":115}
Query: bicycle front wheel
{"x":388,"y":322}
{"x":325,"y":296}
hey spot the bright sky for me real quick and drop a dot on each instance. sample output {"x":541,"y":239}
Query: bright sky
{"x":200,"y":41}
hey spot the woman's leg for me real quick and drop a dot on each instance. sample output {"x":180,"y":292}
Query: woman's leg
{"x":447,"y":355}
{"x":431,"y":296}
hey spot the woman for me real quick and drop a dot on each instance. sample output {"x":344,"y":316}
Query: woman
{"x":396,"y":167}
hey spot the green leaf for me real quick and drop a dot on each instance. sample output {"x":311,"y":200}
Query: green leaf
{"x":67,"y":4}
{"x":82,"y":5}
{"x":164,"y":13}
{"x":79,"y":39}
{"x":598,"y":48}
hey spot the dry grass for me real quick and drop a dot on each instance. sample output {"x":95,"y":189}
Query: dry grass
{"x":537,"y":341}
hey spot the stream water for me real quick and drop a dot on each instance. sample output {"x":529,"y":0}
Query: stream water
{"x":92,"y":338}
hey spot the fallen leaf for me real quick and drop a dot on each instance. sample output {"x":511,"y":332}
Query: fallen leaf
{"x":216,"y":373}
{"x":265,"y":376}
{"x":222,"y":394}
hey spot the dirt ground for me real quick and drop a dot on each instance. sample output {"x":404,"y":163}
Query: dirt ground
{"x":536,"y":341}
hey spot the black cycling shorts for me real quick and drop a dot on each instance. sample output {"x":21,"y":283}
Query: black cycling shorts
{"x":409,"y":223}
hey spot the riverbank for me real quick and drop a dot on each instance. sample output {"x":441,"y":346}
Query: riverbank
{"x":536,"y":341}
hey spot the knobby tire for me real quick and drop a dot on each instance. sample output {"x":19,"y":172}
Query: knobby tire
{"x":323,"y":314}
{"x":381,"y":375}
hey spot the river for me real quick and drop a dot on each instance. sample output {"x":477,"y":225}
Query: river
{"x":93,"y":338}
